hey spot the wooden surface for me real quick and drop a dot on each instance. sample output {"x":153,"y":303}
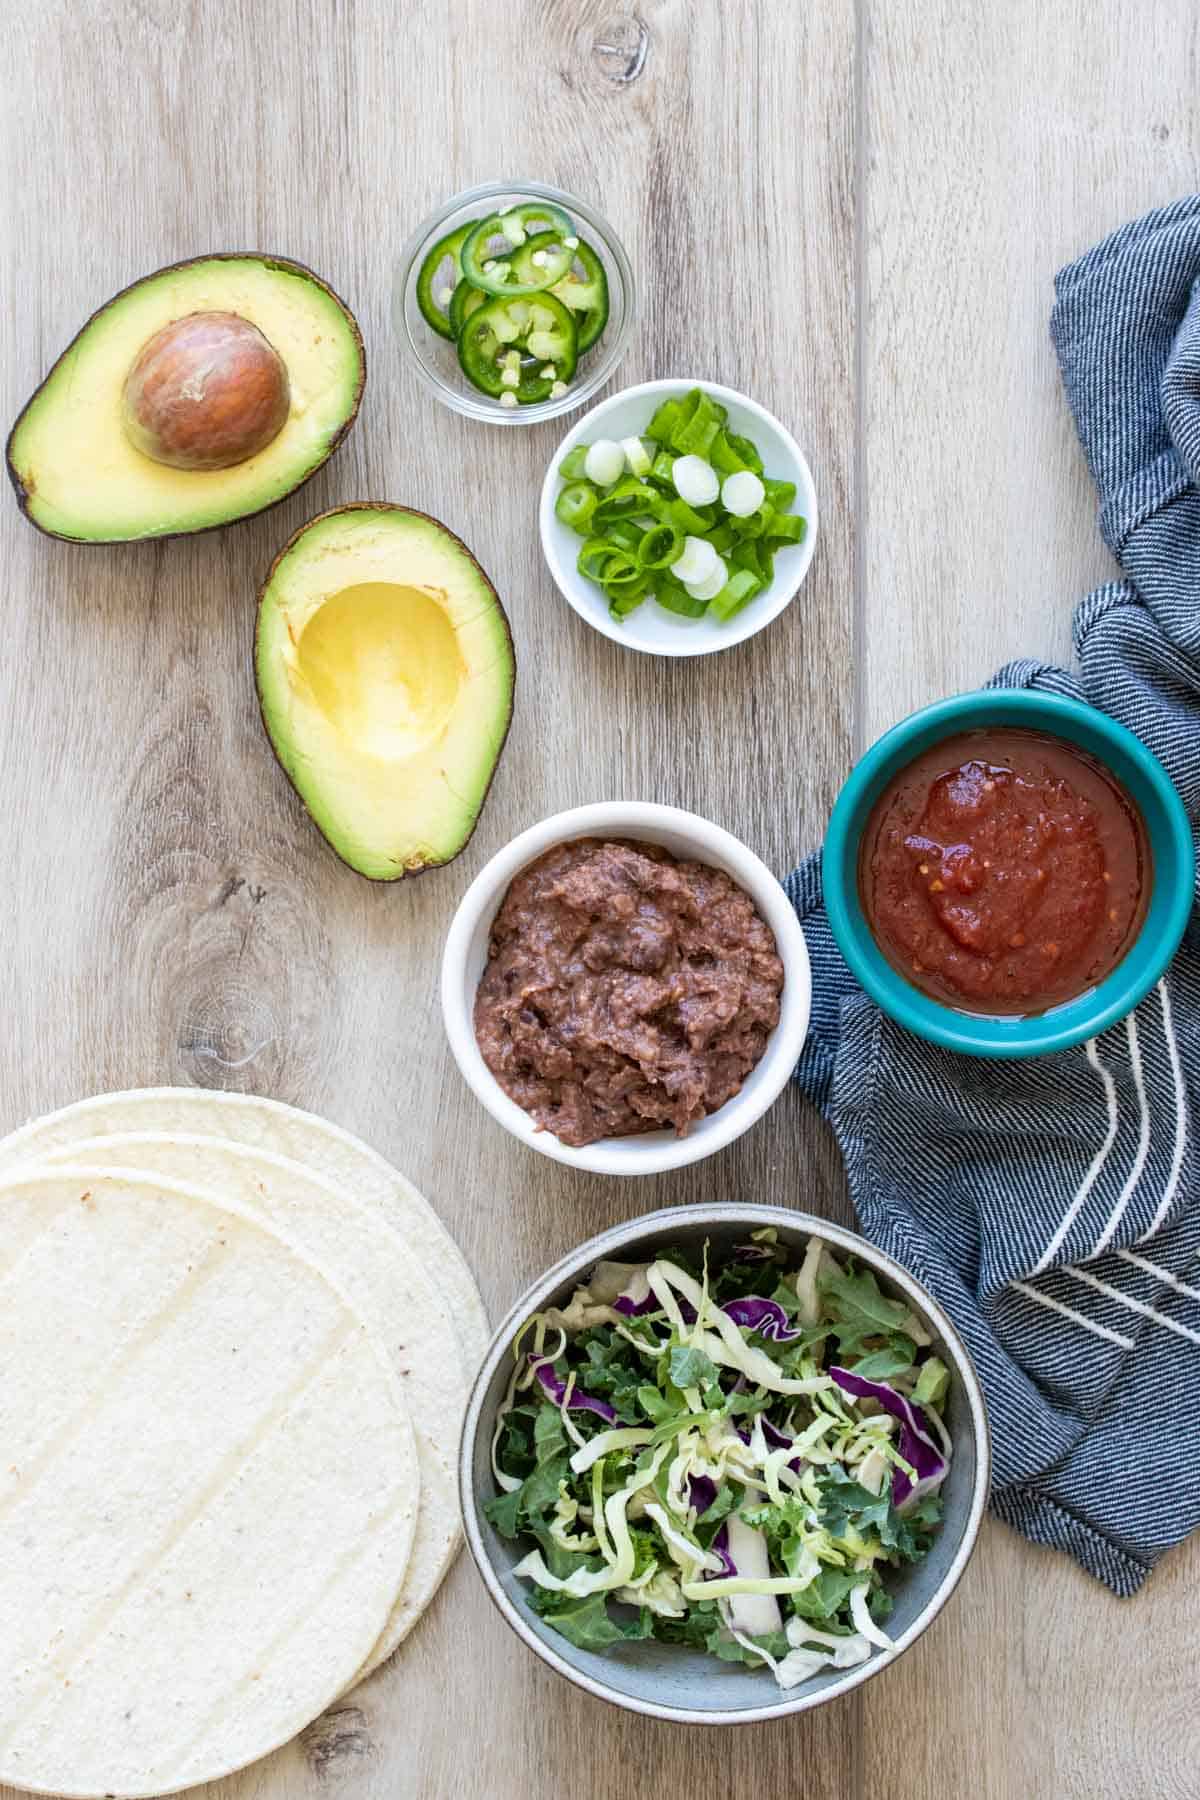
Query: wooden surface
{"x":852,"y":212}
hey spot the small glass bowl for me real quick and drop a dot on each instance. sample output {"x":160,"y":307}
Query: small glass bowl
{"x":436,"y":359}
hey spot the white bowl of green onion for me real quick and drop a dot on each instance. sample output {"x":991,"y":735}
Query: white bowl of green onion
{"x":678,"y":517}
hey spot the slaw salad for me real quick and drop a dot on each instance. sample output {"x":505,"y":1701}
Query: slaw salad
{"x":728,"y":1458}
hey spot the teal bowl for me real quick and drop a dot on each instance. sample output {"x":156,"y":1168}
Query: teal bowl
{"x":1149,"y":787}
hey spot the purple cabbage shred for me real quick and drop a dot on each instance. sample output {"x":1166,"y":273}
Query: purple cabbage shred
{"x":556,"y":1387}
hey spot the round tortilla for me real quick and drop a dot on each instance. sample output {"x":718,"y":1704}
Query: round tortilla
{"x":208,"y":1490}
{"x":320,"y":1147}
{"x":383,"y":1281}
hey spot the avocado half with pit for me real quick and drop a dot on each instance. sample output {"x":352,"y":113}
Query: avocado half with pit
{"x":385,"y":672}
{"x":203,"y":393}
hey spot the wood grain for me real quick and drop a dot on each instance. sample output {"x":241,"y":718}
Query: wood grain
{"x":852,"y":211}
{"x":1000,"y":142}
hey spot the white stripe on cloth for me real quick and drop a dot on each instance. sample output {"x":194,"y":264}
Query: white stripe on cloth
{"x":1068,"y":1312}
{"x":1164,"y":1275}
{"x":1143,"y":1149}
{"x":1137,"y":1306}
{"x":1098,"y":1161}
{"x":1181,"y":1117}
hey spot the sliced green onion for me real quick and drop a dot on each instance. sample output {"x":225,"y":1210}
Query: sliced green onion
{"x":689,"y":521}
{"x":747,"y":449}
{"x":629,"y":497}
{"x":621,"y":570}
{"x":593,"y":558}
{"x":626,"y":535}
{"x":575,"y":506}
{"x":663,"y":424}
{"x":571,"y":468}
{"x":750,"y":555}
{"x":755,"y":524}
{"x":676,"y":599}
{"x":787,"y":528}
{"x":639,"y":524}
{"x":738,"y":590}
{"x":660,"y":546}
{"x":725,"y":457}
{"x":694,"y":435}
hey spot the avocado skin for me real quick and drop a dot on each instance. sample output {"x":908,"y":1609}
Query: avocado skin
{"x":387,"y":506}
{"x":285,"y":263}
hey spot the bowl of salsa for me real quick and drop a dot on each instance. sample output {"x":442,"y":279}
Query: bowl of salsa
{"x":1008,"y":872}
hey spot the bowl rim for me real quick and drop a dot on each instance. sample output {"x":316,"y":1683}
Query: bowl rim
{"x":656,"y":1152}
{"x":1075,"y":1020}
{"x":607,"y":1244}
{"x":751,"y":621}
{"x":483,"y":409}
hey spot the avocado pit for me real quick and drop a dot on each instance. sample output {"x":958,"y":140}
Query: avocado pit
{"x":207,"y":391}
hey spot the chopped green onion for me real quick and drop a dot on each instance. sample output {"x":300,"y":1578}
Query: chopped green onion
{"x":571,"y":468}
{"x":664,"y":421}
{"x":726,"y":458}
{"x":694,"y":437}
{"x":629,"y":497}
{"x":787,"y":528}
{"x":575,"y":506}
{"x":740,"y":588}
{"x":621,"y":570}
{"x":755,"y":524}
{"x":747,"y":450}
{"x":753,"y":556}
{"x":689,"y":521}
{"x":700,"y":418}
{"x":593,"y":558}
{"x":676,"y":599}
{"x":639,"y":523}
{"x":626,"y":535}
{"x":660,"y":546}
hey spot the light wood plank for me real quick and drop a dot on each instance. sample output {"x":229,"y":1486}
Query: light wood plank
{"x":1002,"y":142}
{"x":170,"y":914}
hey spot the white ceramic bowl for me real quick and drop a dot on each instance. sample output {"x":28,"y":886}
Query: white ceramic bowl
{"x":650,"y":627}
{"x":684,"y":835}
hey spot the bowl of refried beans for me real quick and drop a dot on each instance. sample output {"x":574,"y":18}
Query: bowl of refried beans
{"x":626,"y":988}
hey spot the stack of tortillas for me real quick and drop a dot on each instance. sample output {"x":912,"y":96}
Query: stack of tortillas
{"x":235,"y":1346}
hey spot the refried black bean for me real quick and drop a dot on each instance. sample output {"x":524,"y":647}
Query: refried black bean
{"x":625,"y":991}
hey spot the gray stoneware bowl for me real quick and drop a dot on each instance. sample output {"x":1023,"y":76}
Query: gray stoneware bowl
{"x":667,"y":1681}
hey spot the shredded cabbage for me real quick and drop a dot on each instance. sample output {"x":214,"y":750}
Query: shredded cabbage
{"x":604,"y":1444}
{"x":865,"y":1623}
{"x":739,"y":1451}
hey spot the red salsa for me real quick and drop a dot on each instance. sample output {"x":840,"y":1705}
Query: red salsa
{"x":1004,"y":872}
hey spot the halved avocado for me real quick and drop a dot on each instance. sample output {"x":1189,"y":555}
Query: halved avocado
{"x":385,"y":672}
{"x":78,"y":476}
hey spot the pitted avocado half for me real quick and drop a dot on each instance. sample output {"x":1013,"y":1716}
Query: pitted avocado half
{"x":385,"y":672}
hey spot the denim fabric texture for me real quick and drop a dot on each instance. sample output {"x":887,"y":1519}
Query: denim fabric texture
{"x":1052,"y":1205}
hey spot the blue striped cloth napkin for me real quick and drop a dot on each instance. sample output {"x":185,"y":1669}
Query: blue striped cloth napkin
{"x":1052,"y":1206}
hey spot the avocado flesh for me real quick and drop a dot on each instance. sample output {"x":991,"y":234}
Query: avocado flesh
{"x":77,"y":475}
{"x":385,"y":672}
